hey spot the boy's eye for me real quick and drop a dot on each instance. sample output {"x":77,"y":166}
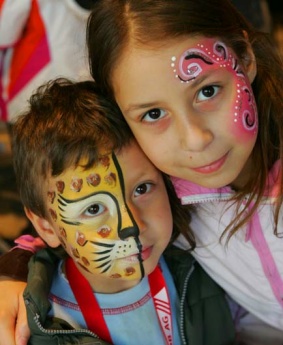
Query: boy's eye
{"x":208,"y":92}
{"x":94,"y":210}
{"x":153,"y":115}
{"x":142,"y":189}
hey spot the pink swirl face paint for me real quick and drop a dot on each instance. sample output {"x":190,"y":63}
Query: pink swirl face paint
{"x":211,"y":55}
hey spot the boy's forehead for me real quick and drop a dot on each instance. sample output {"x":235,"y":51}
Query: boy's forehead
{"x":77,"y":182}
{"x":105,"y":176}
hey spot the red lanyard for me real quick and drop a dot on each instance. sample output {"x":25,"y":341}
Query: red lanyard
{"x":93,"y":315}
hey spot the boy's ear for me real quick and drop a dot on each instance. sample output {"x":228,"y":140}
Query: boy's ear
{"x":250,"y":61}
{"x":43,"y":228}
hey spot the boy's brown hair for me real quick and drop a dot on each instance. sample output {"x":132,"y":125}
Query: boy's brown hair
{"x":66,"y":122}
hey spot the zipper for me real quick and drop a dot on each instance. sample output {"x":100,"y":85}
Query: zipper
{"x":36,"y":318}
{"x":182,"y":304}
{"x":192,"y":200}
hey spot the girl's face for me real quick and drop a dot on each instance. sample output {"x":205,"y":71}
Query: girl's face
{"x":114,"y":219}
{"x":191,"y":108}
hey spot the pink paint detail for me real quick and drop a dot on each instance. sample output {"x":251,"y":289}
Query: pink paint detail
{"x":244,"y":113}
{"x":193,"y":61}
{"x":209,"y":55}
{"x":39,"y":59}
{"x":212,"y":167}
{"x":256,"y":236}
{"x":188,"y":70}
{"x":249,"y":115}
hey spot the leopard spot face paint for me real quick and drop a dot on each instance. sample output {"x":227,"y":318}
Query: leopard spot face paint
{"x":93,"y":221}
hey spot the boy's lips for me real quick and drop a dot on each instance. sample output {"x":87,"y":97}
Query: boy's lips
{"x":145,"y":255}
{"x":212,"y":167}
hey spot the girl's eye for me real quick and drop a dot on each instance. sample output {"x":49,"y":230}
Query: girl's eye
{"x":143,"y":189}
{"x":153,"y":115}
{"x":208,"y":92}
{"x":94,"y":210}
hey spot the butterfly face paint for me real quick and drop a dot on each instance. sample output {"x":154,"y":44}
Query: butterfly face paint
{"x":94,"y":223}
{"x":212,"y":55}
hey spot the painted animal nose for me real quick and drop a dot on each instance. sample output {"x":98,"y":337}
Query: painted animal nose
{"x":129,"y":227}
{"x":132,"y":231}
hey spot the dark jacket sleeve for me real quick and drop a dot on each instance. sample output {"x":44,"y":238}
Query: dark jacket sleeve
{"x":207,"y":319}
{"x":14,"y":264}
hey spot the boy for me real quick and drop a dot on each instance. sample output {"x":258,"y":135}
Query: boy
{"x":88,"y":188}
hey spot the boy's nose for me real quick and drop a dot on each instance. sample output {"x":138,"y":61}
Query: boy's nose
{"x":132,"y":231}
{"x":128,"y":226}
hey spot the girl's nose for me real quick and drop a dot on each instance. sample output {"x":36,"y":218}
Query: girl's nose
{"x":194,"y":136}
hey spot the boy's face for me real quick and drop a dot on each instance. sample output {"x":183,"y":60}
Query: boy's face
{"x":114,"y":219}
{"x":191,"y":108}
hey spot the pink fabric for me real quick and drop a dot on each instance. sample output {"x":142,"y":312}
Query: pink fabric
{"x":30,"y":243}
{"x":267,"y":261}
{"x":189,"y":190}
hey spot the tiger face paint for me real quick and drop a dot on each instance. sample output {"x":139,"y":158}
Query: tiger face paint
{"x":92,"y":212}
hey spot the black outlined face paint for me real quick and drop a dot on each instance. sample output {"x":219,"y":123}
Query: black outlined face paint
{"x":210,"y":55}
{"x":96,"y":226}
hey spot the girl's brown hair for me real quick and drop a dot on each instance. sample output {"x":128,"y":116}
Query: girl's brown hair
{"x":114,"y":24}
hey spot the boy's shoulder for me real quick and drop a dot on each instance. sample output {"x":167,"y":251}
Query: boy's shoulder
{"x":175,"y":256}
{"x":187,"y":273}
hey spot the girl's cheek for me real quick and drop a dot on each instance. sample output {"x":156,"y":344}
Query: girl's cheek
{"x":244,"y":122}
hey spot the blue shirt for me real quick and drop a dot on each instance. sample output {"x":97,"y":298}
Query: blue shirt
{"x":130,"y":315}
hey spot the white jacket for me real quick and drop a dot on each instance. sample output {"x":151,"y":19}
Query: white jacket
{"x":250,"y":267}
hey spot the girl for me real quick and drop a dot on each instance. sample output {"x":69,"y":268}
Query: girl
{"x":200,"y":89}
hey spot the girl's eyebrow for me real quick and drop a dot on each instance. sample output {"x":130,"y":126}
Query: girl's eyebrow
{"x":199,"y":79}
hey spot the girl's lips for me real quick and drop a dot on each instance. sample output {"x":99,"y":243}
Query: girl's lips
{"x":212,"y":167}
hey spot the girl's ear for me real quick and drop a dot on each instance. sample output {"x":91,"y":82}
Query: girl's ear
{"x":249,"y":61}
{"x":44,"y":229}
